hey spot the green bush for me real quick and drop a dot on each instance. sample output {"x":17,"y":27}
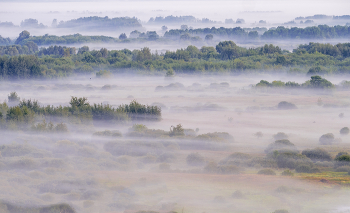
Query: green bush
{"x":287,"y":173}
{"x":317,"y":154}
{"x":267,"y":172}
{"x":176,"y":131}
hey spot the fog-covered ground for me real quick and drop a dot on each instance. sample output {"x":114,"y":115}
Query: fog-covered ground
{"x":79,"y":169}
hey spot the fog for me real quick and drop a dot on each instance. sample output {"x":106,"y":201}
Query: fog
{"x":275,"y":13}
{"x":159,"y":141}
{"x":93,"y":174}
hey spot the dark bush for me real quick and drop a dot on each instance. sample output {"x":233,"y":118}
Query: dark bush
{"x":282,"y":144}
{"x":216,"y":136}
{"x":108,"y":133}
{"x":239,"y":159}
{"x":267,"y":172}
{"x":317,"y":154}
{"x":326,"y":139}
{"x":303,"y":169}
{"x":195,"y":159}
{"x":286,"y":105}
{"x":280,"y":136}
{"x":344,"y":131}
{"x":291,"y":160}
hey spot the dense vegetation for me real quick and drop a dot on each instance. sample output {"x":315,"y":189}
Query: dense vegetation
{"x":281,"y":32}
{"x":60,"y":61}
{"x":25,"y":113}
{"x":316,"y":82}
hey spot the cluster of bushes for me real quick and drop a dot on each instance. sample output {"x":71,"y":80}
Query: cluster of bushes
{"x":80,"y":111}
{"x":316,"y":82}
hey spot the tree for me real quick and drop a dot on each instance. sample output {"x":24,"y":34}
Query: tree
{"x":320,"y":83}
{"x":122,"y":36}
{"x":209,"y":37}
{"x":23,"y":35}
{"x":164,"y":28}
{"x":184,"y":27}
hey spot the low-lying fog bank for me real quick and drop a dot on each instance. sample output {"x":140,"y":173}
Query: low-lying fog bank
{"x":238,"y":148}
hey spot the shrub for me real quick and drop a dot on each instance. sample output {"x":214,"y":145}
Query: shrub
{"x":317,"y":154}
{"x":343,"y":169}
{"x":216,"y":136}
{"x":228,"y":169}
{"x":211,"y":167}
{"x":258,"y":134}
{"x":280,"y":136}
{"x":340,"y":154}
{"x":343,"y":160}
{"x":108,"y":133}
{"x":280,"y":145}
{"x":236,"y":159}
{"x":176,"y":131}
{"x":237,"y":195}
{"x":344,"y":131}
{"x":303,"y":169}
{"x":287,"y":173}
{"x":286,"y":105}
{"x":326,"y":139}
{"x":195,"y":159}
{"x":267,"y":172}
{"x":291,"y":160}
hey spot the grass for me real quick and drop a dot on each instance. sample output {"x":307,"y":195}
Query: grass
{"x":341,"y":178}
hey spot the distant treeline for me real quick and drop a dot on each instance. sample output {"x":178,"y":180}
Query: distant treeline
{"x":60,"y":61}
{"x":238,"y":33}
{"x":195,"y":35}
{"x":84,"y":23}
{"x":178,"y":20}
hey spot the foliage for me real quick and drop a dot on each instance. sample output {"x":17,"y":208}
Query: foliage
{"x":267,"y":172}
{"x":283,"y":144}
{"x":216,"y":136}
{"x":317,"y":154}
{"x":176,"y":131}
{"x":195,"y":159}
{"x":287,"y":173}
{"x":344,"y":131}
{"x":326,"y":139}
{"x":286,"y":105}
